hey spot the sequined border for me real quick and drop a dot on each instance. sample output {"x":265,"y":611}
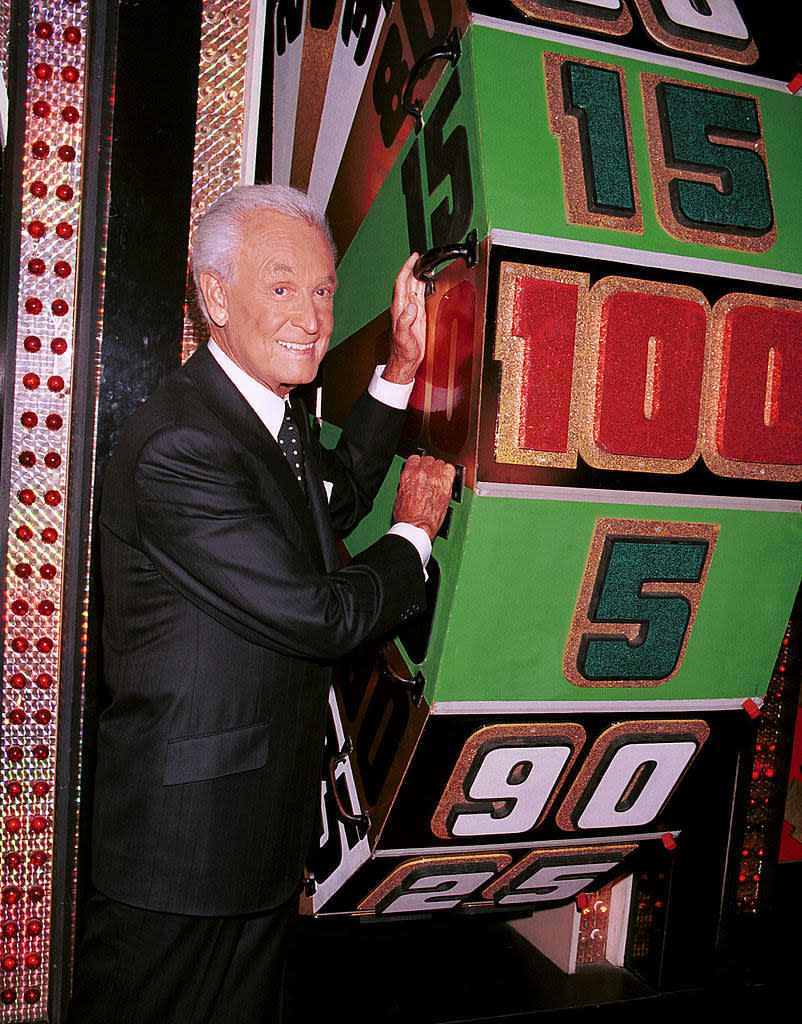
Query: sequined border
{"x":694,"y":42}
{"x":40,"y":412}
{"x":662,"y":175}
{"x":582,"y":624}
{"x":510,"y":351}
{"x":219,"y":127}
{"x":716,"y":391}
{"x":493,"y":737}
{"x":614,"y":738}
{"x":566,"y":127}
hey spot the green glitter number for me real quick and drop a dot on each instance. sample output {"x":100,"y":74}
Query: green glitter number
{"x":688,"y":118}
{"x":626,"y":566}
{"x":593,"y":96}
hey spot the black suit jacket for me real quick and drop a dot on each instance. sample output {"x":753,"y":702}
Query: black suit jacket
{"x":225,"y":606}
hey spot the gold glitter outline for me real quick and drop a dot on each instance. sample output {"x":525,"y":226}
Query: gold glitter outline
{"x":454,"y":794}
{"x":661,"y":175}
{"x":634,"y":730}
{"x":592,"y":327}
{"x":581,"y":624}
{"x":509,"y":351}
{"x":714,"y":385}
{"x":697,"y":47}
{"x":620,"y":25}
{"x":566,"y":127}
{"x":395,"y":880}
{"x":495,"y":891}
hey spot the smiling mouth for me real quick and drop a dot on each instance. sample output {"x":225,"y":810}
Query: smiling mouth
{"x":297,"y":348}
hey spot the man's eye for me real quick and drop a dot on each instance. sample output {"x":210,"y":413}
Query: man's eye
{"x":279,"y":290}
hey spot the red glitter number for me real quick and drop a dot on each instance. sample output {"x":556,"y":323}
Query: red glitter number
{"x":759,"y":414}
{"x":649,"y":378}
{"x":544,"y":315}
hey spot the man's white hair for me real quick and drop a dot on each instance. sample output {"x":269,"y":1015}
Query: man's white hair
{"x":218,"y":236}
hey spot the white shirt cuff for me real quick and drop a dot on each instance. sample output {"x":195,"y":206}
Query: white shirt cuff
{"x":417,"y":537}
{"x":388,"y":393}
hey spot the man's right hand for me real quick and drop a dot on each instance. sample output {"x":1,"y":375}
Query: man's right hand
{"x":424,"y":492}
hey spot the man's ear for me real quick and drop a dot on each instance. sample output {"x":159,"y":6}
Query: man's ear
{"x":214,"y":295}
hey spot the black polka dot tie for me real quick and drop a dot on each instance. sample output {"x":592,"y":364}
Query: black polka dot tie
{"x":290,"y":443}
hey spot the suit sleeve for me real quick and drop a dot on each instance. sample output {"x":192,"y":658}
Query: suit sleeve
{"x":358,"y":465}
{"x":236,"y":548}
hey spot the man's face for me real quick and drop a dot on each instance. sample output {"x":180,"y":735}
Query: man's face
{"x":276,"y":319}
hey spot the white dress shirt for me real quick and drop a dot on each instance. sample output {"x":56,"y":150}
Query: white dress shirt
{"x":269,"y":407}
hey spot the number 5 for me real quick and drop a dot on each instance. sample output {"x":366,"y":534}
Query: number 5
{"x":639,"y":596}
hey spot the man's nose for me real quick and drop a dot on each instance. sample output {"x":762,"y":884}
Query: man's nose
{"x":306,"y":315}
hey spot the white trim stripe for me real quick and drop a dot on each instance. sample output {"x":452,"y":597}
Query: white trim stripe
{"x":597,"y":707}
{"x":490,"y":847}
{"x":650,"y":498}
{"x":644,"y":258}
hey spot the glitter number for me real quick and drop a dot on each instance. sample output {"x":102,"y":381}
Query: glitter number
{"x":434,"y":883}
{"x":708,"y":163}
{"x":443,"y":883}
{"x":687,"y":117}
{"x":589,"y":113}
{"x":507,"y":777}
{"x":706,"y":154}
{"x":637,"y":603}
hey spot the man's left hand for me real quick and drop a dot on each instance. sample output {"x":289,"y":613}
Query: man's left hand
{"x":408,"y":314}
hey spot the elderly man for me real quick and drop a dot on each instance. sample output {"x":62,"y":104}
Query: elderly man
{"x":225,"y":607}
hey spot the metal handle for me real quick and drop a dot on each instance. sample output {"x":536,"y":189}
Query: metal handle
{"x":451,"y":50}
{"x":425,"y":264}
{"x":361,"y":821}
{"x":415,"y":685}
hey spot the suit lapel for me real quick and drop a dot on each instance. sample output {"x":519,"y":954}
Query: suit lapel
{"x":239,"y":418}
